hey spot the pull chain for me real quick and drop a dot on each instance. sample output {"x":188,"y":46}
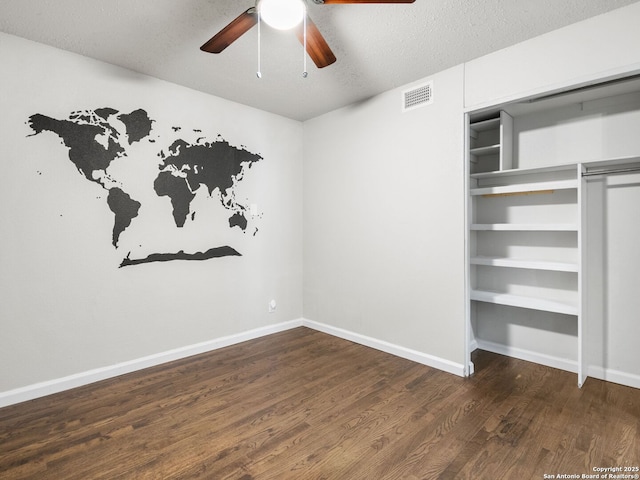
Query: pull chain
{"x":304,"y":48}
{"x":259,"y":72}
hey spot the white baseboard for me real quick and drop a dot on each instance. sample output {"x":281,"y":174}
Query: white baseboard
{"x":615,"y":376}
{"x":529,"y":356}
{"x":601,"y":373}
{"x":49,"y":387}
{"x":398,"y":351}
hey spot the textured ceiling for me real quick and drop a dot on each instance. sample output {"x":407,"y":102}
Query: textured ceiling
{"x":378,"y":47}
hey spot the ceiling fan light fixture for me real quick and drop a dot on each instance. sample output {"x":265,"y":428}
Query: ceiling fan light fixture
{"x":282,"y":14}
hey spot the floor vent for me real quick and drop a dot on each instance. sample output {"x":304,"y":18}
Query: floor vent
{"x":417,"y":97}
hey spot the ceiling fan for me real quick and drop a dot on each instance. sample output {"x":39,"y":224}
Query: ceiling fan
{"x":291,"y":12}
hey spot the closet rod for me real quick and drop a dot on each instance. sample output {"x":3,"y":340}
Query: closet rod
{"x":611,"y":170}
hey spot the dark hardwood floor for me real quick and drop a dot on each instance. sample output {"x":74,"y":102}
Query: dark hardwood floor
{"x":304,"y":405}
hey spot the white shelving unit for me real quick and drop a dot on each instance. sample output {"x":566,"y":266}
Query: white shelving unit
{"x":548,"y":202}
{"x":491,"y":144}
{"x":506,"y":203}
{"x":536,"y":169}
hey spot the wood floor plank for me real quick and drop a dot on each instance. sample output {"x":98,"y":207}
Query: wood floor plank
{"x":304,"y":405}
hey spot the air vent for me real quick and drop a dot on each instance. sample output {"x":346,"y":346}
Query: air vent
{"x":417,"y":97}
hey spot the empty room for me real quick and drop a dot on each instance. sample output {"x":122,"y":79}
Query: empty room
{"x":307,"y":239}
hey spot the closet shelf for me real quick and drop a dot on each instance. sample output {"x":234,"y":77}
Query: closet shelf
{"x":488,"y":150}
{"x":567,"y":167}
{"x":484,"y":125}
{"x":525,"y":264}
{"x":525,"y":227}
{"x":526,"y":187}
{"x":524,"y":302}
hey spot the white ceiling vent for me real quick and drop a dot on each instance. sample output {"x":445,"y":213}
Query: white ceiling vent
{"x":417,"y":96}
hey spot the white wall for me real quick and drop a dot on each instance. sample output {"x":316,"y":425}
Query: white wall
{"x":602,"y":46}
{"x":614,"y":277}
{"x":66,"y":306}
{"x":384,"y":226}
{"x":584,"y":131}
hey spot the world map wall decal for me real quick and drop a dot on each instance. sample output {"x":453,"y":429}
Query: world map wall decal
{"x":98,"y":142}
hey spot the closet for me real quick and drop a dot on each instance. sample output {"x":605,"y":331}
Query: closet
{"x":553,"y":230}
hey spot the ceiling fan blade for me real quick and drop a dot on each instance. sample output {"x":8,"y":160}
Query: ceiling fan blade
{"x":317,"y":47}
{"x":229,"y":34}
{"x":326,"y":2}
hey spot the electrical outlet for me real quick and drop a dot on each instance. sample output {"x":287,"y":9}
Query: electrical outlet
{"x":272,"y":306}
